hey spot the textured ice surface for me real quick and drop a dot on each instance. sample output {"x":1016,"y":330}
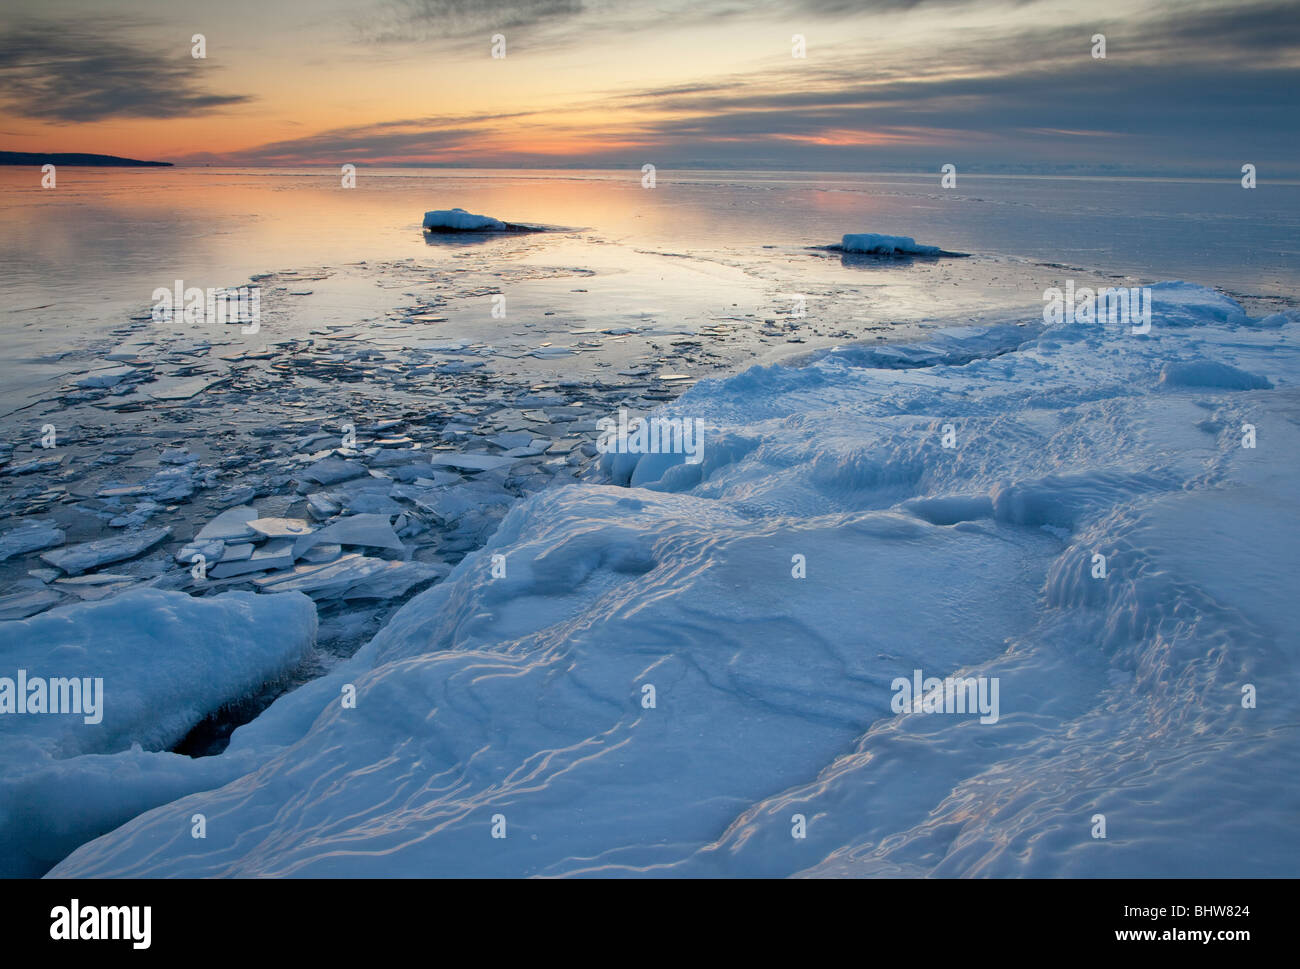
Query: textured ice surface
{"x":166,"y":661}
{"x":518,"y":685}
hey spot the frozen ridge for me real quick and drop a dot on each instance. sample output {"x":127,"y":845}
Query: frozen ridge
{"x":523,"y":699}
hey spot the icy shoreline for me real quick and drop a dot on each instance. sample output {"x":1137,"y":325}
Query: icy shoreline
{"x":521,"y":694}
{"x":354,"y":465}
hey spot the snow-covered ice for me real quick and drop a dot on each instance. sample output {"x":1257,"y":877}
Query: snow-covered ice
{"x":886,"y":245}
{"x":461,"y":221}
{"x":650,"y":686}
{"x":165,"y":661}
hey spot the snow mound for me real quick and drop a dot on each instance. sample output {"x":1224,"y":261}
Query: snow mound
{"x":458,"y":220}
{"x":1209,"y":373}
{"x":885,"y":245}
{"x":1186,"y":304}
{"x":156,"y":663}
{"x":665,"y":678}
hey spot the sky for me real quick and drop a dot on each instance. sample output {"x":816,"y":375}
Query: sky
{"x":1186,"y":87}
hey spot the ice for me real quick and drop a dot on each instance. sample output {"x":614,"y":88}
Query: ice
{"x":35,"y":466}
{"x":1212,"y":374}
{"x":211,"y":549}
{"x":127,"y":351}
{"x":272,"y":555}
{"x":172,"y":484}
{"x":236,"y":496}
{"x":280,"y":527}
{"x":828,"y":543}
{"x":461,"y":221}
{"x":396,"y":580}
{"x":332,"y":470}
{"x":238,"y":553}
{"x":373,"y":504}
{"x":375,"y":531}
{"x":20,"y":605}
{"x":450,"y":505}
{"x":182,"y":389}
{"x":320,"y":554}
{"x":886,"y":245}
{"x":470,"y":462}
{"x":230,"y":525}
{"x":29,"y":537}
{"x":177,"y":455}
{"x":333,"y":578}
{"x":106,"y":378}
{"x":512,"y":439}
{"x":75,"y":559}
{"x":166,"y":661}
{"x":323,"y":505}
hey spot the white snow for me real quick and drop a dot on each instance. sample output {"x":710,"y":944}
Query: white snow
{"x":461,"y":221}
{"x":522,"y":691}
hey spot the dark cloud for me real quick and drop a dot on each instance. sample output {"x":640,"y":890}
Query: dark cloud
{"x":1229,"y":30}
{"x":87,"y":72}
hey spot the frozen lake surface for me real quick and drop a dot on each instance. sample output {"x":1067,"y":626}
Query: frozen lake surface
{"x":393,"y":490}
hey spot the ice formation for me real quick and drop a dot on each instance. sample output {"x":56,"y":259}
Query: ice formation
{"x":458,"y":220}
{"x":659,"y":673}
{"x":165,"y":660}
{"x":885,"y":245}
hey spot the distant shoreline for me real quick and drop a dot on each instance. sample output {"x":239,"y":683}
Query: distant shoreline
{"x":76,"y":159}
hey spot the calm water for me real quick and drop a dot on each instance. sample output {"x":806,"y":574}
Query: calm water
{"x":80,"y":256}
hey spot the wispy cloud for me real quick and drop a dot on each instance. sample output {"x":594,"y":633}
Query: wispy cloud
{"x":573,"y":21}
{"x":90,"y":72}
{"x":398,"y":21}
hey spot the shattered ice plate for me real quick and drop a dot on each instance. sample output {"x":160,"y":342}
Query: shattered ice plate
{"x":78,"y":558}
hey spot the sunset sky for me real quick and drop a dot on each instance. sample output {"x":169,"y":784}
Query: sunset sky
{"x":1186,"y":87}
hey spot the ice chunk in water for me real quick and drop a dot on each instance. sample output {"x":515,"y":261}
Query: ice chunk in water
{"x":884,"y":245}
{"x":461,"y":221}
